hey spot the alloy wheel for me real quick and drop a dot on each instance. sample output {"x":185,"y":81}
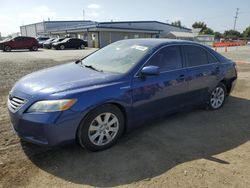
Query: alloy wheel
{"x":62,"y":47}
{"x":217,"y":97}
{"x":7,"y":48}
{"x":103,"y":129}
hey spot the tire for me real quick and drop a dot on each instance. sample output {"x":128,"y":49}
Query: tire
{"x":101,"y":128}
{"x":217,"y":97}
{"x":82,"y":46}
{"x":7,"y":48}
{"x":34,"y":48}
{"x":62,"y":47}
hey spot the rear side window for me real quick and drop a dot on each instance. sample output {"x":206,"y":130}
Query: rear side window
{"x":195,"y":56}
{"x":211,"y":58}
{"x":168,"y":58}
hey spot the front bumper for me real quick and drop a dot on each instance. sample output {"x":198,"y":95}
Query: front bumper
{"x":46,"y":128}
{"x":48,"y":46}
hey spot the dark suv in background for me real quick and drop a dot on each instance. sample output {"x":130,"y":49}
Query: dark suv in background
{"x":20,"y":42}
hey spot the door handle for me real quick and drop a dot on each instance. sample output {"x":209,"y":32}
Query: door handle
{"x":181,"y":77}
{"x":217,"y":69}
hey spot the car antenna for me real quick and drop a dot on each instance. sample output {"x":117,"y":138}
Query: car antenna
{"x":77,"y":61}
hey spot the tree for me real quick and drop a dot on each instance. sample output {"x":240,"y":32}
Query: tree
{"x":177,"y":23}
{"x":200,"y":25}
{"x":232,"y":34}
{"x":246,"y":33}
{"x":218,"y":35}
{"x":208,"y":31}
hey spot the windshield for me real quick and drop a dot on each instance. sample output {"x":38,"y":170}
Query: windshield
{"x":49,"y":40}
{"x":65,"y":40}
{"x":7,"y":39}
{"x":57,"y":40}
{"x":118,"y":57}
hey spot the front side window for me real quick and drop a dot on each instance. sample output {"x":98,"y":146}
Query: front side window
{"x":195,"y":55}
{"x":167,"y":59}
{"x":19,"y":39}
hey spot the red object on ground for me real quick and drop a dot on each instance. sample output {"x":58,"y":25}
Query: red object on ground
{"x":224,"y":44}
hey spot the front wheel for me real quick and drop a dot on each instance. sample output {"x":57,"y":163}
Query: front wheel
{"x":217,"y":97}
{"x":7,"y":48}
{"x":101,"y":128}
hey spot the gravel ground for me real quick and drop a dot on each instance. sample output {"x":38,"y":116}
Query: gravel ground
{"x":193,"y":148}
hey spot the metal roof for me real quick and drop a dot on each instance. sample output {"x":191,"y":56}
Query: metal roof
{"x":182,"y":34}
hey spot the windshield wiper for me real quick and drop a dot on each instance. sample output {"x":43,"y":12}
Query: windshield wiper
{"x":93,"y":68}
{"x":88,"y":66}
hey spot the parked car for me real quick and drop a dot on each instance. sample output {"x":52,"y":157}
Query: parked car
{"x":116,"y":89}
{"x":42,"y":40}
{"x":70,"y":43}
{"x":48,"y":43}
{"x":20,"y":42}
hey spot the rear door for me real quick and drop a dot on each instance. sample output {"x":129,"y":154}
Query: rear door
{"x":157,"y":95}
{"x":203,"y":70}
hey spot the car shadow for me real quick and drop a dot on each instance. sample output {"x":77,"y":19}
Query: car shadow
{"x":153,"y":149}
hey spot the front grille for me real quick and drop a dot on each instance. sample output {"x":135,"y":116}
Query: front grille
{"x":15,"y":103}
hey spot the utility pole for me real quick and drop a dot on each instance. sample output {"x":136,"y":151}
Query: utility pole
{"x":83,"y":14}
{"x":236,"y":17}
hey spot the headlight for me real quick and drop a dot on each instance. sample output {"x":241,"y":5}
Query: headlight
{"x":52,"y":105}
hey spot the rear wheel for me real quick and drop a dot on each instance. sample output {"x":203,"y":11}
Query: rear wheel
{"x":62,"y":47}
{"x":7,"y":48}
{"x":101,"y":128}
{"x":217,"y":97}
{"x":82,"y":46}
{"x":34,"y":48}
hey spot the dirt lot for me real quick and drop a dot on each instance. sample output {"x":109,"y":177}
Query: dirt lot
{"x":195,"y":148}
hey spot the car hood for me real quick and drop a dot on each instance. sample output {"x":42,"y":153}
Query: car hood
{"x":3,"y":42}
{"x":62,"y":78}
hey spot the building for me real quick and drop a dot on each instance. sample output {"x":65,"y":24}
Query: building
{"x":192,"y":36}
{"x":99,"y":34}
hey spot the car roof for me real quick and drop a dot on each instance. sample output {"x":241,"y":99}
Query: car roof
{"x":154,"y":42}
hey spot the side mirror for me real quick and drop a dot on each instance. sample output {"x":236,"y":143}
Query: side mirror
{"x":150,"y":71}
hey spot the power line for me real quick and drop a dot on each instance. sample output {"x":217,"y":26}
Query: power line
{"x":236,"y":17}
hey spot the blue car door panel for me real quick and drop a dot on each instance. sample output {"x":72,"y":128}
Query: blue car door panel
{"x":159,"y":94}
{"x":202,"y":73}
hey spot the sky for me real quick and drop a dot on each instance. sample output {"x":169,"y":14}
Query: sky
{"x":219,"y":15}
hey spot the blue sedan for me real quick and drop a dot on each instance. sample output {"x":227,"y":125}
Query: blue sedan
{"x":96,"y":99}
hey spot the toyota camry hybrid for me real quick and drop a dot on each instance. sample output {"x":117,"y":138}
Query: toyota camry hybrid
{"x":93,"y":101}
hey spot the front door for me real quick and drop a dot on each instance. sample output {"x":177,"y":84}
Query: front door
{"x":160,"y":94}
